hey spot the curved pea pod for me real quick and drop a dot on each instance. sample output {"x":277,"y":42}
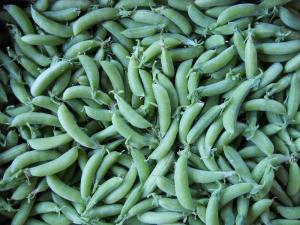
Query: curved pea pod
{"x":113,"y":75}
{"x":293,"y":184}
{"x":212,"y":214}
{"x":250,"y":57}
{"x":239,"y":43}
{"x":181,"y":82}
{"x":264,"y":105}
{"x":289,"y":17}
{"x":92,"y":18}
{"x":178,"y":19}
{"x":153,"y":217}
{"x":160,"y":169}
{"x":204,"y":176}
{"x":293,"y":97}
{"x":218,"y":62}
{"x":142,"y":31}
{"x":49,"y":142}
{"x":260,"y":140}
{"x":81,"y":47}
{"x":291,"y":213}
{"x":35,"y":118}
{"x":187,"y":120}
{"x":63,"y":190}
{"x":141,"y":164}
{"x":292,"y":64}
{"x":23,"y":212}
{"x":204,"y":121}
{"x":56,"y":165}
{"x":20,"y":17}
{"x":133,"y":76}
{"x":65,"y":4}
{"x":234,"y":191}
{"x":133,"y":136}
{"x":91,"y":70}
{"x":103,"y":190}
{"x":154,"y":49}
{"x":42,"y":39}
{"x":281,"y":48}
{"x":167,"y":141}
{"x":131,"y":115}
{"x":51,"y":26}
{"x":182,"y":54}
{"x":115,"y":29}
{"x":272,"y":3}
{"x":181,"y":181}
{"x":212,"y":3}
{"x":63,"y":15}
{"x":89,"y":173}
{"x":199,"y":17}
{"x":47,"y":76}
{"x":129,"y":4}
{"x":257,"y":209}
{"x":237,"y":11}
{"x":237,"y":97}
{"x":151,"y":17}
{"x":238,"y":164}
{"x":229,"y":28}
{"x":215,"y":41}
{"x":70,"y":125}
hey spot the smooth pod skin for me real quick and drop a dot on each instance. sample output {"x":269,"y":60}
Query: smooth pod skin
{"x":113,"y":75}
{"x":69,"y":124}
{"x":293,"y":64}
{"x":103,"y":190}
{"x":235,"y":12}
{"x":160,"y":169}
{"x":160,"y":217}
{"x":92,"y":18}
{"x":51,"y":26}
{"x":178,"y":19}
{"x":49,"y":75}
{"x":219,"y":61}
{"x":91,"y":70}
{"x":81,"y":47}
{"x":98,"y":114}
{"x":181,"y":181}
{"x":21,"y":18}
{"x":35,"y":118}
{"x":164,"y":107}
{"x":250,"y":57}
{"x":288,"y":16}
{"x":199,"y":17}
{"x":126,"y":131}
{"x":141,"y":164}
{"x":204,"y":121}
{"x":293,"y":184}
{"x":63,"y":15}
{"x":63,"y":190}
{"x":187,"y":119}
{"x":154,"y":49}
{"x":31,"y":157}
{"x":143,"y":31}
{"x":234,"y":191}
{"x":124,"y":188}
{"x":281,"y":48}
{"x":264,"y":105}
{"x":167,"y":142}
{"x":293,"y":101}
{"x":88,"y":174}
{"x":167,"y":62}
{"x":49,"y":142}
{"x":23,"y":212}
{"x":239,"y":43}
{"x":212,"y":3}
{"x":212,"y":215}
{"x":257,"y":209}
{"x":181,"y":82}
{"x":134,"y":80}
{"x":56,"y":165}
{"x":204,"y":177}
{"x":231,"y":111}
{"x":42,"y":39}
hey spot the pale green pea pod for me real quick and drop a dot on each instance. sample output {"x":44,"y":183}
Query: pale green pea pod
{"x":143,"y":31}
{"x":153,"y":217}
{"x":250,"y":57}
{"x":160,"y":169}
{"x":68,"y":122}
{"x":272,"y":3}
{"x":219,"y":61}
{"x":204,"y":122}
{"x":257,"y":209}
{"x":212,"y":214}
{"x":237,"y":11}
{"x":182,"y":54}
{"x":56,"y":165}
{"x":92,"y":18}
{"x":214,"y":41}
{"x":288,"y":16}
{"x":229,"y":28}
{"x":199,"y":17}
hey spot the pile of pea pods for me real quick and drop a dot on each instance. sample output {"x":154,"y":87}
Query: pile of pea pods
{"x":137,"y":112}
